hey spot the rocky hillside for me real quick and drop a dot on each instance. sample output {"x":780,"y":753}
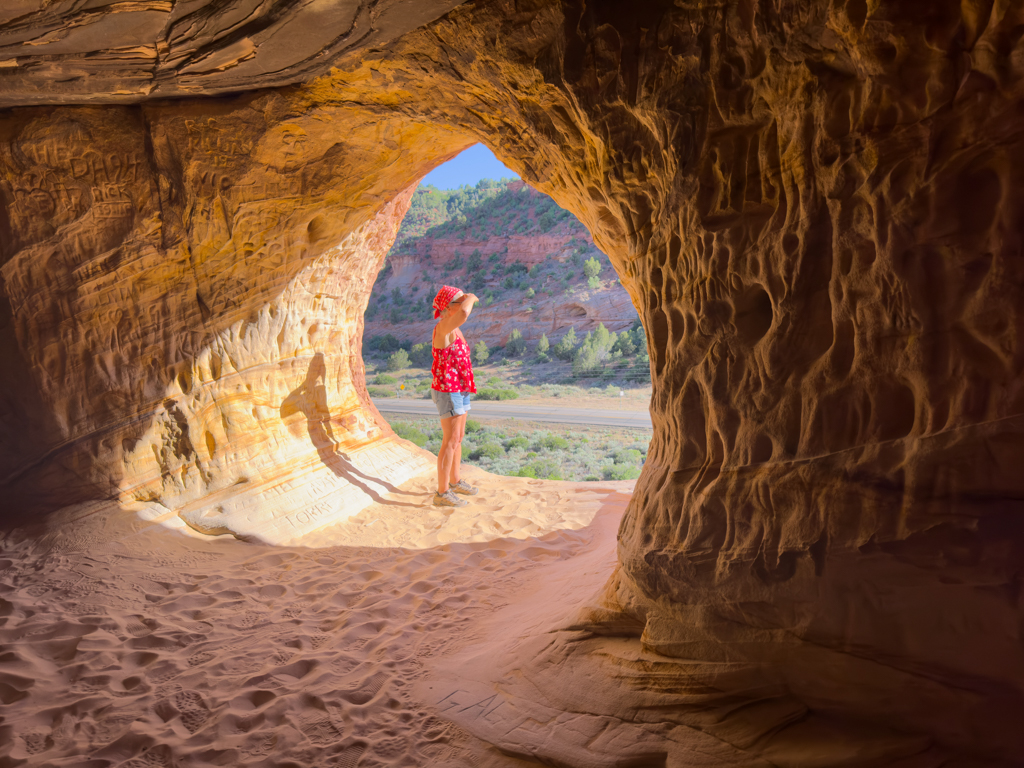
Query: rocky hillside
{"x":512,"y":246}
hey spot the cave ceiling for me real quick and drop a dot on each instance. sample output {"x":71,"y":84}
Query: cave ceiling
{"x":107,"y":51}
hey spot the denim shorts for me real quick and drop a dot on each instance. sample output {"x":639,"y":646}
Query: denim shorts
{"x":450,"y":403}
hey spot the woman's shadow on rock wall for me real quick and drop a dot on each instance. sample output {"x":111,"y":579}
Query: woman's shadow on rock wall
{"x":310,"y":399}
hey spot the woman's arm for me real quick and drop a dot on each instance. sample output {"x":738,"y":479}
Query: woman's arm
{"x":458,"y":315}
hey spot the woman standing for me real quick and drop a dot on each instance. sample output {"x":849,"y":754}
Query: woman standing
{"x":452,"y":385}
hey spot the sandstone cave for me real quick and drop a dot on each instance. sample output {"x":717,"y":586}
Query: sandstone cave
{"x":813,"y":205}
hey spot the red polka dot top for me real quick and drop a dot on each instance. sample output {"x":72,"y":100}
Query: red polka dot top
{"x":452,"y":369}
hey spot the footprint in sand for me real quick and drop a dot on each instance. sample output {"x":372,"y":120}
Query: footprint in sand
{"x":194,"y":712}
{"x":349,"y":756}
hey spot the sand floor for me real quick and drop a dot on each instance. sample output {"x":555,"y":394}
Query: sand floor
{"x":127,"y":644}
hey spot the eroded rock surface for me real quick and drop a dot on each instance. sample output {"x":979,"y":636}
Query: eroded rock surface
{"x":814,"y":207}
{"x":104,"y":51}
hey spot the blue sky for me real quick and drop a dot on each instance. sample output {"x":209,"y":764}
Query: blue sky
{"x":475,"y":163}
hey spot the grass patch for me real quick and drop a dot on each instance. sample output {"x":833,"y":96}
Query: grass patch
{"x":554,"y":452}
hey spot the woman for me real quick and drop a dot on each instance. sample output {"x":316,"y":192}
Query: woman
{"x":452,"y":385}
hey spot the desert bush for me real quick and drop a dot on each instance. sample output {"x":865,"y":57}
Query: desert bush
{"x":474,"y":262}
{"x":383,"y":378}
{"x":481,"y":352}
{"x":530,"y":293}
{"x":473,"y":426}
{"x":594,"y":282}
{"x":516,"y":345}
{"x":490,"y":449}
{"x":495,"y":380}
{"x":542,"y":357}
{"x":516,"y":442}
{"x":628,"y":456}
{"x":541,"y":468}
{"x":543,"y":345}
{"x":410,"y":433}
{"x":591,"y":267}
{"x":552,"y":443}
{"x":421,"y":355}
{"x":493,"y":393}
{"x":398,"y":361}
{"x":381,"y":391}
{"x":508,"y":283}
{"x":621,"y":472}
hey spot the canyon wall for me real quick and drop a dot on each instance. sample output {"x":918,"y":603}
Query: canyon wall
{"x":814,"y":208}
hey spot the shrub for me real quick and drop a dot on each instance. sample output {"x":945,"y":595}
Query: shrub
{"x":593,"y":282}
{"x":566,"y":346}
{"x":541,"y":468}
{"x":621,"y":472}
{"x":591,"y":267}
{"x":591,"y":477}
{"x":474,"y":261}
{"x":552,"y":443}
{"x":493,"y":393}
{"x":543,"y":345}
{"x":383,"y":378}
{"x":398,"y":360}
{"x":495,"y":380}
{"x":381,"y":391}
{"x":410,"y":433}
{"x":491,"y":450}
{"x":473,"y":426}
{"x":516,"y":442}
{"x":508,"y":283}
{"x":628,"y":456}
{"x":480,"y":352}
{"x":515,"y":346}
{"x":530,"y":293}
{"x":543,"y":358}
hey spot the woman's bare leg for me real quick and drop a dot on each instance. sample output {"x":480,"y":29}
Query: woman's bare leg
{"x":445,"y":453}
{"x":458,"y":430}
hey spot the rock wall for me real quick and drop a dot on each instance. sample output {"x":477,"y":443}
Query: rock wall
{"x":183,"y":296}
{"x":814,"y":207}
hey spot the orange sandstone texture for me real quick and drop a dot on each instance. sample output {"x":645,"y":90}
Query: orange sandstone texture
{"x":814,"y":206}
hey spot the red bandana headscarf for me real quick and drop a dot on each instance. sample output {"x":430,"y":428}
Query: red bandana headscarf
{"x":444,"y":298}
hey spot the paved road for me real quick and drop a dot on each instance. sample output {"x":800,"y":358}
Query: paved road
{"x":507,"y":410}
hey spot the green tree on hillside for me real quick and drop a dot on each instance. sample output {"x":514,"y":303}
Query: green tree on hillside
{"x":543,"y":345}
{"x":481,"y":352}
{"x":566,"y":346}
{"x":516,"y":345}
